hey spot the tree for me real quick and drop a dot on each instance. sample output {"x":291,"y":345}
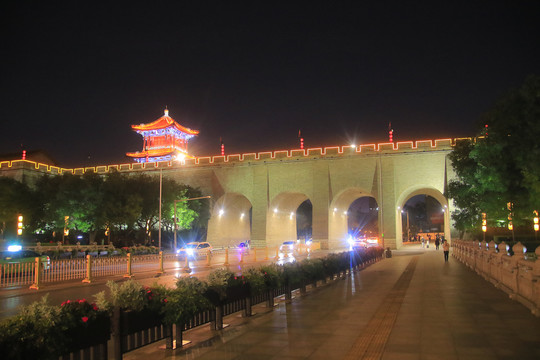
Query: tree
{"x":501,"y":165}
{"x":15,"y":199}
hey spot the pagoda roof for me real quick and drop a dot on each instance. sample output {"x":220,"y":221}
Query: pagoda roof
{"x":157,"y":152}
{"x":162,"y":123}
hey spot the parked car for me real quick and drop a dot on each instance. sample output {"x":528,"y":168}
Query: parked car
{"x":288,"y":246}
{"x":23,"y":256}
{"x":195,"y":250}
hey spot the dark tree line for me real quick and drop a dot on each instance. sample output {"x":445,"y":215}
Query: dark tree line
{"x":127,"y":206}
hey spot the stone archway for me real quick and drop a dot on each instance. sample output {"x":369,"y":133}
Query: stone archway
{"x":281,"y":217}
{"x":412,"y":192}
{"x":338,"y":216}
{"x":230,"y":221}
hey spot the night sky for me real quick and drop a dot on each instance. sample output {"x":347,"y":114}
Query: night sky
{"x":76,"y":75}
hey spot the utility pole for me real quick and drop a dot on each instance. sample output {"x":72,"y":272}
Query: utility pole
{"x":160,"y":190}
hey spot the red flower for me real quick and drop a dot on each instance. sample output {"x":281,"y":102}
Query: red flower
{"x":95,"y":308}
{"x":68,"y":301}
{"x":82,"y":301}
{"x":165,"y":300}
{"x":85,"y":318}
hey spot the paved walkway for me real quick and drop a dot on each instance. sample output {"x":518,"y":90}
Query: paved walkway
{"x":412,"y":306}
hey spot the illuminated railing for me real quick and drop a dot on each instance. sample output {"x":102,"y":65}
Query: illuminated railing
{"x":16,"y":274}
{"x":57,"y":271}
{"x":63,"y":270}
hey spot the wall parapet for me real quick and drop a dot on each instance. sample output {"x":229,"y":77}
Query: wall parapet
{"x":279,"y":155}
{"x":516,"y":275}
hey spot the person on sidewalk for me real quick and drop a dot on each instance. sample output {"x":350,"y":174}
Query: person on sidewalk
{"x":437,"y":242}
{"x":422,"y":240}
{"x":446,"y":249}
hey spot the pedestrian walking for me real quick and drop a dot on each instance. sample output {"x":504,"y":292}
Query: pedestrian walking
{"x":437,"y":242}
{"x":422,"y":240}
{"x":446,"y":249}
{"x":427,"y":243}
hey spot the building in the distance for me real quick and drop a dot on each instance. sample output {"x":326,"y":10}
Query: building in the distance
{"x":164,"y":140}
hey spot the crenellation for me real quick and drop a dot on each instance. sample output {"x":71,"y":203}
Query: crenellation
{"x":315,"y":152}
{"x":367,"y":148}
{"x":331,"y":151}
{"x":233,"y":158}
{"x":443,"y":143}
{"x":405,"y":145}
{"x":249,"y":157}
{"x":204,"y":160}
{"x":265,"y":155}
{"x":424,"y":144}
{"x":386,"y":147}
{"x":220,"y":159}
{"x":298,"y":154}
{"x":281,"y":154}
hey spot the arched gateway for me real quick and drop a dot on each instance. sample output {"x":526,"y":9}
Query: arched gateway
{"x":256,"y":195}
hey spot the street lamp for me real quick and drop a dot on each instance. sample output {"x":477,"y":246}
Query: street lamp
{"x":175,"y":201}
{"x":484,"y":225}
{"x":535,"y":224}
{"x":19,"y":225}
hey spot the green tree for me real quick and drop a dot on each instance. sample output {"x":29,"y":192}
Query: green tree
{"x":78,"y":197}
{"x":501,"y":165}
{"x":15,"y":199}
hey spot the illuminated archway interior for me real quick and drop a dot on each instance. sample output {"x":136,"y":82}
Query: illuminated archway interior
{"x":231,"y":220}
{"x":352,"y":212}
{"x":282,"y":215}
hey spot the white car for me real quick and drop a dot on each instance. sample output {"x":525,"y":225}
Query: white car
{"x":288,"y":246}
{"x":195,"y":250}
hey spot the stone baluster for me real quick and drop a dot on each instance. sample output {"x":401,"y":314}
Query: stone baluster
{"x":536,"y":283}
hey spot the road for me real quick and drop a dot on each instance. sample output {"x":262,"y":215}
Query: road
{"x":12,"y":298}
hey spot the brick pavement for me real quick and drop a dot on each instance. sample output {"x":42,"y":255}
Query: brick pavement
{"x":412,"y":306}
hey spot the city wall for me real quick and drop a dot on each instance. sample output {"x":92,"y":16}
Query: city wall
{"x":273,"y":184}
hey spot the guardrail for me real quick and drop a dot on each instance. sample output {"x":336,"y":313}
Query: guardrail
{"x":516,"y":275}
{"x":89,"y":267}
{"x":139,"y":330}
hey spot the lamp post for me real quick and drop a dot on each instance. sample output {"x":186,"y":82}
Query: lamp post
{"x":175,"y":201}
{"x":510,"y":216}
{"x":160,"y":191}
{"x":484,"y":225}
{"x":535,"y":224}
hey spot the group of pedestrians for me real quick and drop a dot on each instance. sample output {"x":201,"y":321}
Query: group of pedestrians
{"x":439,"y":240}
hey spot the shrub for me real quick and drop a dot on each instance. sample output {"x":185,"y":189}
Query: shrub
{"x":33,"y":333}
{"x":313,"y":269}
{"x":255,"y":279}
{"x":292,"y":274}
{"x":129,"y":295}
{"x":188,"y":299}
{"x":218,"y":281}
{"x":271,"y":275}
